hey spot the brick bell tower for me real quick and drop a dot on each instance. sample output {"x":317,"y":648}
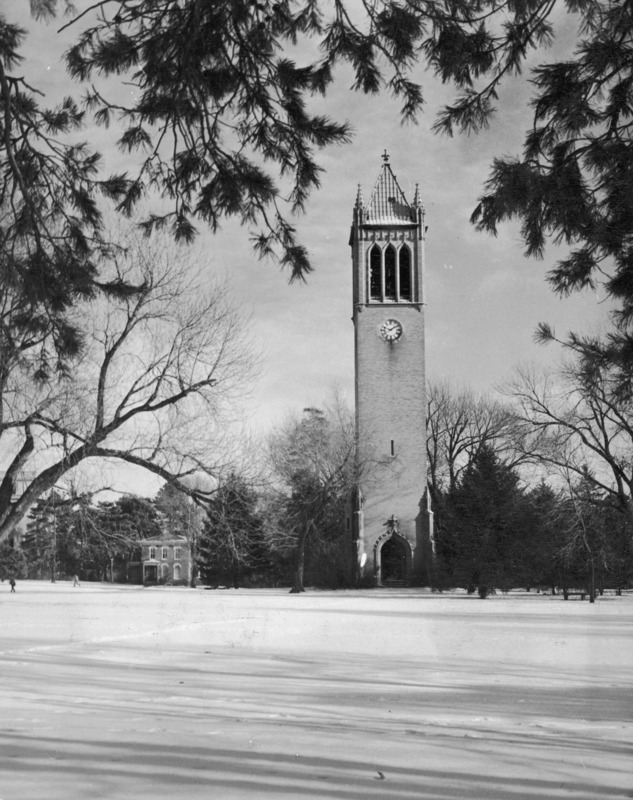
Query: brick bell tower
{"x":390,"y":519}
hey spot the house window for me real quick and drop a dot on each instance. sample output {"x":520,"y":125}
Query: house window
{"x":177,"y":552}
{"x":176,"y":572}
{"x":375,"y":273}
{"x":164,"y":553}
{"x":152,"y":552}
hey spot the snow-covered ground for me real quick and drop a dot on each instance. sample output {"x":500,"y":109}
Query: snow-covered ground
{"x":136,"y":693}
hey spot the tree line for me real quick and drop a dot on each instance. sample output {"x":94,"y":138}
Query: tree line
{"x":248,"y":531}
{"x":514,"y":506}
{"x":531,"y":488}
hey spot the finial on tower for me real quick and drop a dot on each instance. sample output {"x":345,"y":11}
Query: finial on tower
{"x":385,"y":157}
{"x":417,"y":200}
{"x":359,"y":198}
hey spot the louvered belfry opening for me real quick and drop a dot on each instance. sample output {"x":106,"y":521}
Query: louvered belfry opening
{"x":390,"y":273}
{"x":375,"y":273}
{"x":405,"y":273}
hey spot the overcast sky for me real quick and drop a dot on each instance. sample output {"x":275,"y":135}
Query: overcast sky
{"x":484,"y":297}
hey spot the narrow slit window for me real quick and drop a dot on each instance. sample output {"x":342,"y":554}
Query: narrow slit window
{"x":405,"y":274}
{"x":393,"y":448}
{"x":375,"y":289}
{"x":390,"y":272}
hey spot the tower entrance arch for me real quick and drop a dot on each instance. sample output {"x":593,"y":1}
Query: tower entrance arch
{"x":392,"y":560}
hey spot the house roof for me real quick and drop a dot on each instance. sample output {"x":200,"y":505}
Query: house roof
{"x":163,"y":542}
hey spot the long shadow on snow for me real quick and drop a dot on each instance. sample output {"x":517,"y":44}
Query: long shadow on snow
{"x":275,"y":773}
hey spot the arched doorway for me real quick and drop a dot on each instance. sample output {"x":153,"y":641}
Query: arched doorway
{"x":393,"y":561}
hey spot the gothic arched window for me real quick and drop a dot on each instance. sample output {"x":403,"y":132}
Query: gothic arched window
{"x":375,"y":282}
{"x":390,"y":272}
{"x":404,"y":265}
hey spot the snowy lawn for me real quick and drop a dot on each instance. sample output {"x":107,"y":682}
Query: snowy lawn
{"x":131,"y":693}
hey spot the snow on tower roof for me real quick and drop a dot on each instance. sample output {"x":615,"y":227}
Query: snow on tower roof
{"x":387,"y":204}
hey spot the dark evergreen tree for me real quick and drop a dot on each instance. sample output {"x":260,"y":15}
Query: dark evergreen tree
{"x":538,"y":552}
{"x":48,"y":544}
{"x":12,"y":560}
{"x":483,"y":518}
{"x":233,"y":548}
{"x":617,"y":572}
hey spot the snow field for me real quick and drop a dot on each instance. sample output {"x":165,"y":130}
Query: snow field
{"x":124,"y":692}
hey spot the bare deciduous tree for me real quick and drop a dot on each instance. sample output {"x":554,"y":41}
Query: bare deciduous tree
{"x":459,"y":425}
{"x":156,"y":385}
{"x":578,"y":422}
{"x":233,"y":544}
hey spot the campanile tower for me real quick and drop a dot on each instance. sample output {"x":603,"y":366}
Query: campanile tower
{"x":390,"y":521}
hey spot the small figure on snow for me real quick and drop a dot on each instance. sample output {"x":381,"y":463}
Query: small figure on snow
{"x":12,"y":585}
{"x":76,"y":580}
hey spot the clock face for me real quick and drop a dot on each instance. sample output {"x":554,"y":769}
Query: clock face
{"x":391,"y":330}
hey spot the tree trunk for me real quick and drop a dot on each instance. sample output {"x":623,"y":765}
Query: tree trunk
{"x":192,"y":538}
{"x":297,"y":580}
{"x":54,"y":548}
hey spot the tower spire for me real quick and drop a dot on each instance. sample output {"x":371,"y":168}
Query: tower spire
{"x":387,"y":203}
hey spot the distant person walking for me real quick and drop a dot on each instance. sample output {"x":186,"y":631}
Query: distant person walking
{"x":12,"y":585}
{"x":76,"y":581}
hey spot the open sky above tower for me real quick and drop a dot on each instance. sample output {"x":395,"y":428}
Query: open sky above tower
{"x":484,"y":297}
